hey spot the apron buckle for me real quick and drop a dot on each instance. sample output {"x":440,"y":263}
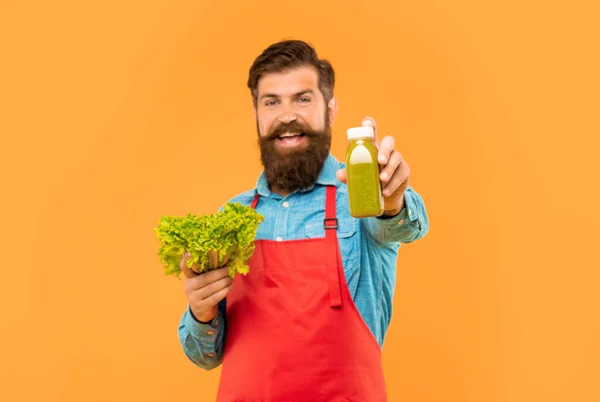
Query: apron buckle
{"x":332,"y":226}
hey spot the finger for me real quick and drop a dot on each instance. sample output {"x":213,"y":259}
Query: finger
{"x":341,"y":175}
{"x":214,"y":287}
{"x":398,"y":181}
{"x":392,"y":164}
{"x":187,"y":272}
{"x":385,"y":149}
{"x":217,"y":297}
{"x":208,"y":277}
{"x":370,"y":122}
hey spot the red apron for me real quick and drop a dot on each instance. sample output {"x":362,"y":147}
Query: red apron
{"x":293,"y":331}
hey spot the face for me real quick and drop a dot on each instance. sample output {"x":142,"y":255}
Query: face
{"x":294,"y":127}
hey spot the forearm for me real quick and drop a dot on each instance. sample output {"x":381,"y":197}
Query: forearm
{"x":411,"y":223}
{"x":203,"y":343}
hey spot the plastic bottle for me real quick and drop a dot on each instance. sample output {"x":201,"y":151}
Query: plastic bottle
{"x":364,"y":188}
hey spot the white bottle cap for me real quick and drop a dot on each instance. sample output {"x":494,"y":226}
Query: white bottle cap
{"x":360,"y":132}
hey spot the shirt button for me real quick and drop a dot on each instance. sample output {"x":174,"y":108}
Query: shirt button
{"x":401,"y":221}
{"x":210,"y":354}
{"x":279,"y":239}
{"x":286,"y":204}
{"x":210,"y":332}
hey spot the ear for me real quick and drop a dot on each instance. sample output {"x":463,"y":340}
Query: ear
{"x":332,"y":109}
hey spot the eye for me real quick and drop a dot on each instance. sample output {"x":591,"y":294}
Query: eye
{"x":304,"y":99}
{"x":271,"y":102}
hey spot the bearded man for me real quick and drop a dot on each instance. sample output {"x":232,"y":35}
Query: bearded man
{"x":308,"y":322}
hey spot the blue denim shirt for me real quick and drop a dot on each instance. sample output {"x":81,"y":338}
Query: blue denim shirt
{"x":369,"y":248}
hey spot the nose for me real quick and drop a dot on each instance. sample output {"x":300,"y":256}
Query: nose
{"x":288,"y":115}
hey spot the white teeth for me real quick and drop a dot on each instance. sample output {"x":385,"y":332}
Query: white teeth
{"x":287,"y":135}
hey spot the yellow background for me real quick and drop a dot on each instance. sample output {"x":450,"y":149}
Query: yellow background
{"x":114,"y":113}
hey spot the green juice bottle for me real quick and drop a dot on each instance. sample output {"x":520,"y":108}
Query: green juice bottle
{"x":364,"y":188}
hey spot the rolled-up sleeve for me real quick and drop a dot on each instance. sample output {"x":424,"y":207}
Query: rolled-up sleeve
{"x":411,"y":224}
{"x":203,"y":343}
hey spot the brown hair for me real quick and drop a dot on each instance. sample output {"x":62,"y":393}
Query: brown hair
{"x":291,"y":54}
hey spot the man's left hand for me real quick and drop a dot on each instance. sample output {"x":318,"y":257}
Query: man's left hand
{"x":394,"y":174}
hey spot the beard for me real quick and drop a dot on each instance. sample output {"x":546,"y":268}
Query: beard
{"x":294,"y":169}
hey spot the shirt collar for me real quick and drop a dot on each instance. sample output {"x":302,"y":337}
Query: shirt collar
{"x":327,"y":177}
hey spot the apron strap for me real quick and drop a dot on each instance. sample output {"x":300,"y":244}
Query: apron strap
{"x":255,"y":201}
{"x":331,"y":248}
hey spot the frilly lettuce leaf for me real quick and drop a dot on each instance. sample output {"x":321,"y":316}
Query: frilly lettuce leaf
{"x":225,"y":238}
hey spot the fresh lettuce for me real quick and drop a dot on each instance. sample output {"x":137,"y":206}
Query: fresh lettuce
{"x":225,"y":238}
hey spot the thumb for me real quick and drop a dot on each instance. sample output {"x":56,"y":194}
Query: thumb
{"x":370,"y":122}
{"x":341,"y":175}
{"x":185,"y":270}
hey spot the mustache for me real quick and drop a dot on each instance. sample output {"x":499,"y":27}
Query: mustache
{"x":291,"y":127}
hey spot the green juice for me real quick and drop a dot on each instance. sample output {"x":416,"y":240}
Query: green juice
{"x":362,"y":169}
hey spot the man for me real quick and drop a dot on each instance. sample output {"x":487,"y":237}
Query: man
{"x":308,"y":321}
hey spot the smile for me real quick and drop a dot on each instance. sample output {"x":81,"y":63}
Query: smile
{"x":290,"y":135}
{"x":291,"y":139}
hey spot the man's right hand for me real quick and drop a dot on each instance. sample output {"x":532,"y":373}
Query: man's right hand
{"x":205,"y":291}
